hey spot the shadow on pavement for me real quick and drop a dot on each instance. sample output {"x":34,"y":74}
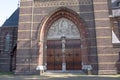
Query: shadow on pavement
{"x":85,"y":77}
{"x":60,"y":77}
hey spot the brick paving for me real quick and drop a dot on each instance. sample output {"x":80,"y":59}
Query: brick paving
{"x":60,"y":77}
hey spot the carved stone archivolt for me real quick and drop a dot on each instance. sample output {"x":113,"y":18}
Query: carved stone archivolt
{"x":63,"y":28}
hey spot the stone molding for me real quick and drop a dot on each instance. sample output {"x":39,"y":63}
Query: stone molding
{"x":39,"y":3}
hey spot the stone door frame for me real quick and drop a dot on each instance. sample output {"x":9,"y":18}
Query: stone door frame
{"x":46,"y":24}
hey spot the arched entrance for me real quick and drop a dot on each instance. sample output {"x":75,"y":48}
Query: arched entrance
{"x":63,"y":41}
{"x":63,"y":46}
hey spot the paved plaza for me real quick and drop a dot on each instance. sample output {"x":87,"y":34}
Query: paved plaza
{"x":67,"y":76}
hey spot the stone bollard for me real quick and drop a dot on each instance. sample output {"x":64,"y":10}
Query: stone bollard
{"x":89,"y":71}
{"x":40,"y":69}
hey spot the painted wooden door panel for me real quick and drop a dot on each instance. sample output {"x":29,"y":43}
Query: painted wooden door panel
{"x":54,"y":55}
{"x":73,"y":56}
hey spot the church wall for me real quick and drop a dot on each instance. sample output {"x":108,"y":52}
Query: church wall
{"x":29,"y":26}
{"x":116,"y":46}
{"x":26,"y":51}
{"x":5,"y":55}
{"x":107,"y":56}
{"x":102,"y":56}
{"x":116,"y":52}
{"x":86,"y":13}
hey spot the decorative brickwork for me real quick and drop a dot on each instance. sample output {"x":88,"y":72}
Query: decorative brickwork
{"x":94,"y":35}
{"x":104,"y":45}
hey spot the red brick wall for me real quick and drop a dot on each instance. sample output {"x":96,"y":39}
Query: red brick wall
{"x":5,"y":56}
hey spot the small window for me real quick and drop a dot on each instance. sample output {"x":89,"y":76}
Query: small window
{"x":7,"y":42}
{"x":118,"y":4}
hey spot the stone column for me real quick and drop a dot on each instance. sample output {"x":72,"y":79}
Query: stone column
{"x":63,"y":54}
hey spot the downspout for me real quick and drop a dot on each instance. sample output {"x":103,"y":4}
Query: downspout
{"x":11,"y":51}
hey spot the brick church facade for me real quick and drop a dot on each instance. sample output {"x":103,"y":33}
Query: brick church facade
{"x":62,"y":35}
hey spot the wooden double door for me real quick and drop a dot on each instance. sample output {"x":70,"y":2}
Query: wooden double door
{"x":71,"y":55}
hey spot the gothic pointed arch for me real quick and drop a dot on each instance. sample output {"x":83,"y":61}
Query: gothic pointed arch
{"x":48,"y":22}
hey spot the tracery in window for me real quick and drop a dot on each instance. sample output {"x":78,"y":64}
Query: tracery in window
{"x":7,"y":42}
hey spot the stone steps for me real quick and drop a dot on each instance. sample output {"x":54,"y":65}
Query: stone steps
{"x":62,"y":74}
